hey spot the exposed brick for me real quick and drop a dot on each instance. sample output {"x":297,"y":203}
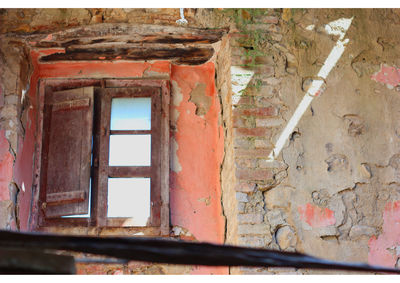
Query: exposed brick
{"x":246,"y":163}
{"x":243,"y":143}
{"x":262,"y":144}
{"x":259,"y":152}
{"x":252,"y":218}
{"x":253,"y":174}
{"x":253,"y":229}
{"x":251,"y":132}
{"x":269,"y":122}
{"x":261,"y":112}
{"x":267,"y":71}
{"x":245,"y":187}
{"x":246,"y":100}
{"x":11,"y":99}
{"x":238,"y":122}
{"x":268,"y":19}
{"x":265,"y":163}
{"x":242,"y":197}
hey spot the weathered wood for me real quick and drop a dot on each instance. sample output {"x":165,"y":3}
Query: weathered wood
{"x":179,"y":252}
{"x":101,"y":156}
{"x":164,"y":158}
{"x":130,"y":132}
{"x":114,"y":227}
{"x":179,"y":55}
{"x":73,"y":104}
{"x":65,"y":197}
{"x":129,"y":171}
{"x":67,"y":151}
{"x":155,"y":196}
{"x":131,"y":33}
{"x":23,"y":261}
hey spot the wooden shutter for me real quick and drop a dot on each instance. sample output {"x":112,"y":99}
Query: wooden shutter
{"x":66,"y":153}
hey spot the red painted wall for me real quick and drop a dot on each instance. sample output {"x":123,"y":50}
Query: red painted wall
{"x":316,"y":216}
{"x":6,"y":165}
{"x":384,"y":250}
{"x":200,"y":142}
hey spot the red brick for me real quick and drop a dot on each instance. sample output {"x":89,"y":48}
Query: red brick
{"x":251,"y":132}
{"x":259,"y":152}
{"x":254,"y":174}
{"x":245,"y":187}
{"x":260,"y":112}
{"x":246,"y":163}
{"x":249,"y":100}
{"x":269,"y":20}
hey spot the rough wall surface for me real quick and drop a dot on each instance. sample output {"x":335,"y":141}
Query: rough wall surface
{"x":334,"y":189}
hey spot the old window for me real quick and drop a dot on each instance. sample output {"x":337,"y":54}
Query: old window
{"x":105,"y":154}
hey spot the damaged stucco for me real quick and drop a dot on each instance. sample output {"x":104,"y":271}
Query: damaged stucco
{"x":332,"y":191}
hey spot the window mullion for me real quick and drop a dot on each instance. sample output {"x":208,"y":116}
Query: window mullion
{"x":100,"y":176}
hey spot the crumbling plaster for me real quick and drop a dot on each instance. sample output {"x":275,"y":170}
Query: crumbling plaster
{"x":333,"y":191}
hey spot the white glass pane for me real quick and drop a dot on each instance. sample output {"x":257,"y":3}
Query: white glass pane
{"x":129,"y":197}
{"x":131,"y":113}
{"x":130,"y":150}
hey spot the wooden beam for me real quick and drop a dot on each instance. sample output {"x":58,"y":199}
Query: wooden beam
{"x":129,"y":33}
{"x":25,"y":261}
{"x":179,"y":55}
{"x":179,"y":252}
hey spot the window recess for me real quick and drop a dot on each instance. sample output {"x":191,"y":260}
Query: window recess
{"x":109,"y":144}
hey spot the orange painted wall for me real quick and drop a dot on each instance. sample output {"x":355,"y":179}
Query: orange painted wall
{"x":200,"y":142}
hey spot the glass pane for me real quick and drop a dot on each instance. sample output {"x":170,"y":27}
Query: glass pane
{"x":129,"y":197}
{"x":131,"y":113}
{"x":130,"y":150}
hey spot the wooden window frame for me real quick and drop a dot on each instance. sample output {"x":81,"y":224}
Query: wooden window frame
{"x":105,"y":90}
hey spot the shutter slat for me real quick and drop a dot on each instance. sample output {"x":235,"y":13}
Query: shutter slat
{"x":65,"y":197}
{"x":69,"y":134}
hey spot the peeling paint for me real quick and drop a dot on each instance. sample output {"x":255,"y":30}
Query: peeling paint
{"x":6,"y":166}
{"x":316,"y":216}
{"x":387,"y":75}
{"x":200,"y":99}
{"x":175,"y":165}
{"x":382,"y":248}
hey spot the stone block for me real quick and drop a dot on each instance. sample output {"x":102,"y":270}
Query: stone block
{"x":286,"y":238}
{"x":242,"y":197}
{"x":6,"y":213}
{"x":275,"y":218}
{"x":360,"y":230}
{"x":245,"y":187}
{"x":253,"y":229}
{"x":278,"y":197}
{"x":251,"y":218}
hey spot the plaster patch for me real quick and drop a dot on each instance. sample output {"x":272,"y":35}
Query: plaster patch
{"x":175,"y":165}
{"x":240,"y":78}
{"x":316,"y":216}
{"x":177,"y":95}
{"x":200,"y":99}
{"x":338,"y":27}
